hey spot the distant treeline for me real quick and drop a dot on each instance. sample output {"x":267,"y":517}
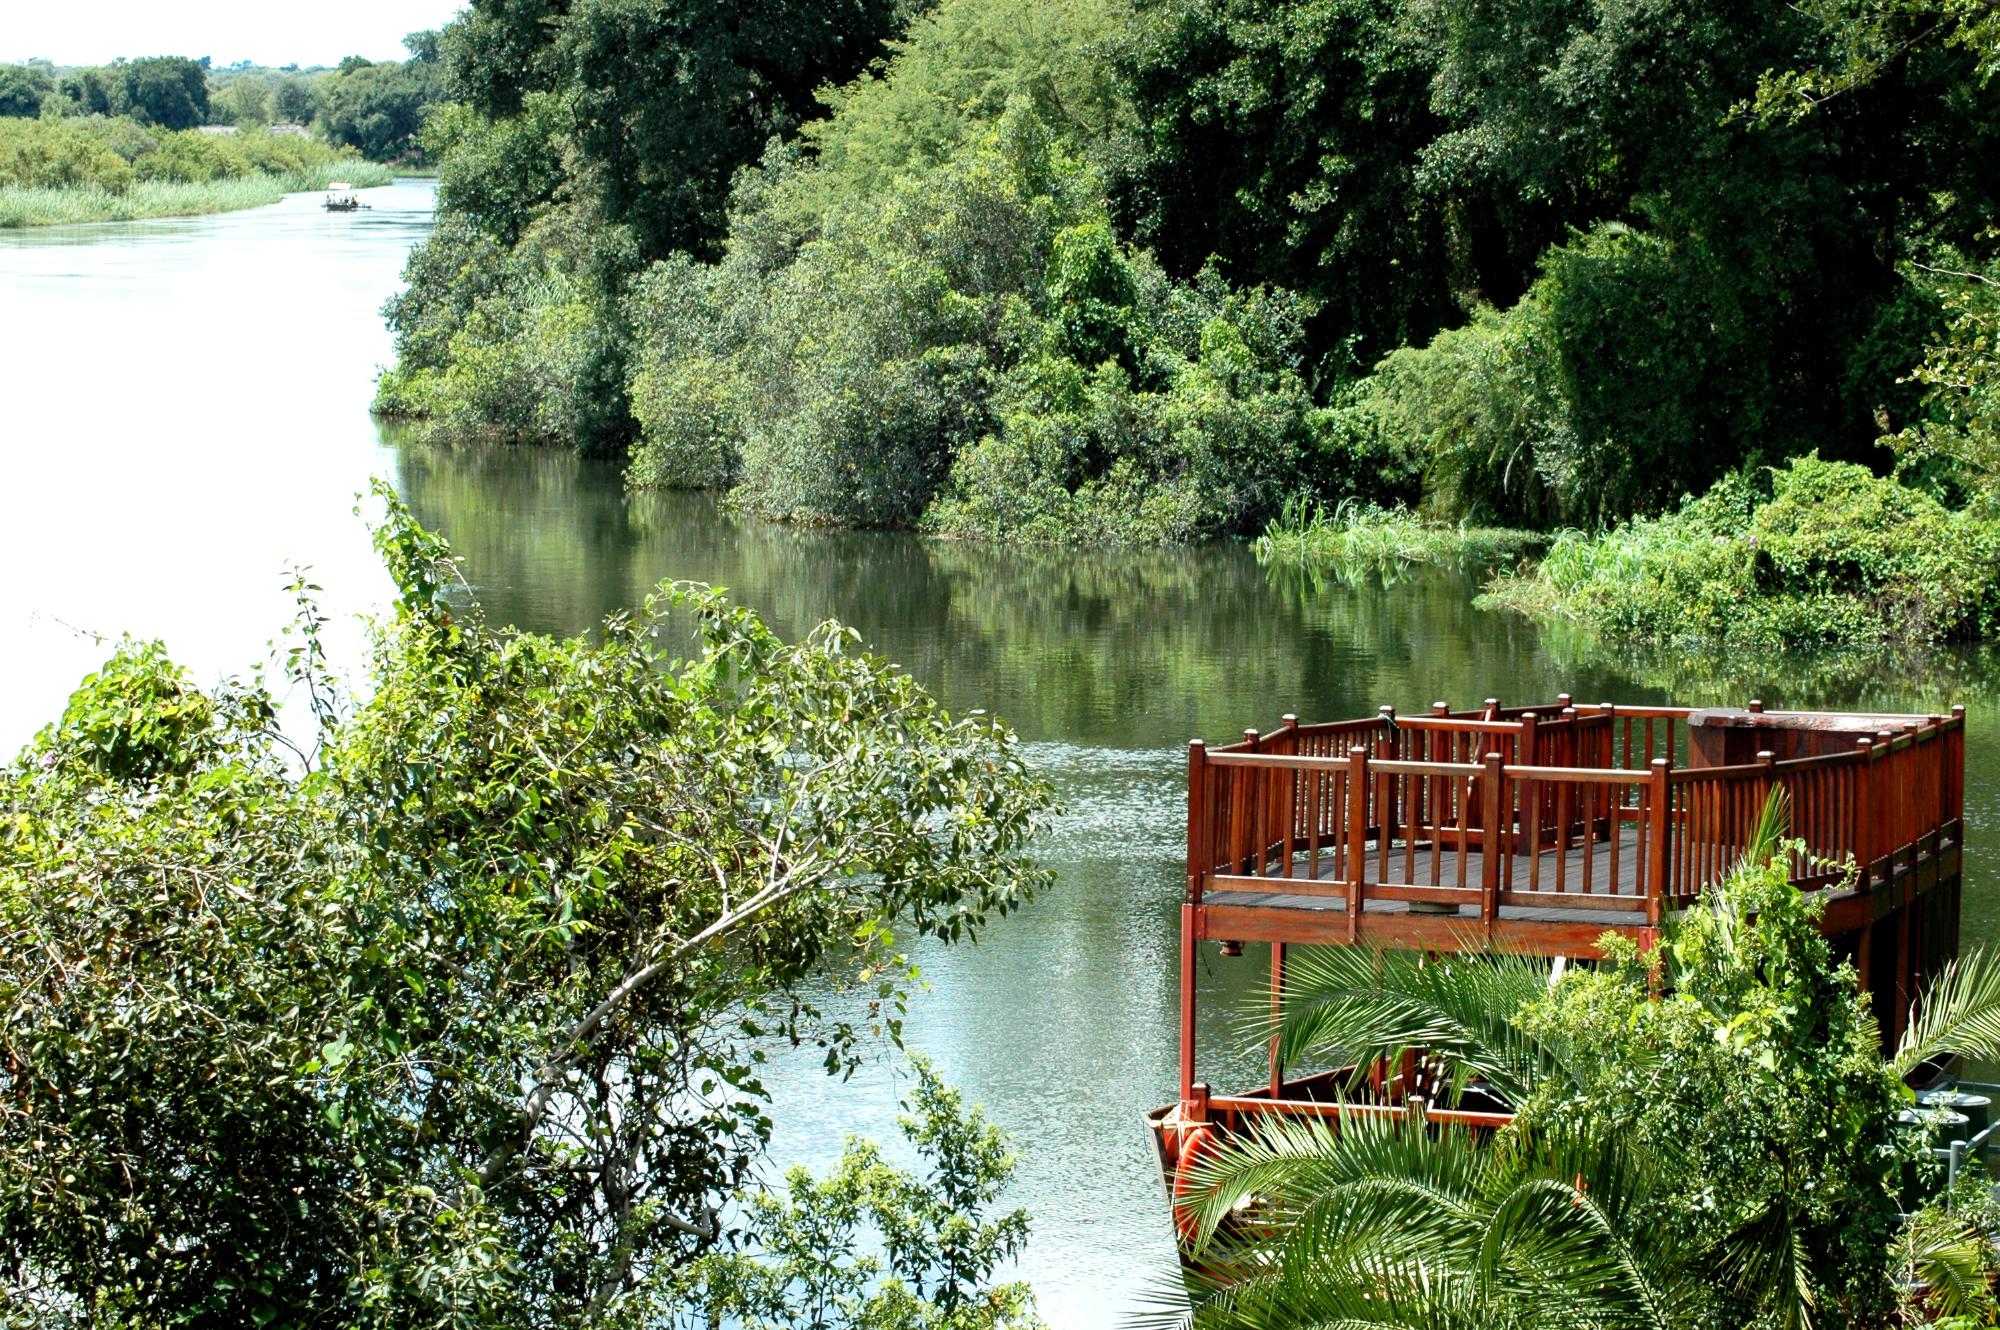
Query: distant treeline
{"x":375,"y":108}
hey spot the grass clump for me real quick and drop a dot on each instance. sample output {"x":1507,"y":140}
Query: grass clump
{"x":1829,"y":554}
{"x":154,"y":198}
{"x":1365,"y":537}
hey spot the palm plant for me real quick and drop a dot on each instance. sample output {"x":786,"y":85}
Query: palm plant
{"x":1631,"y":1188}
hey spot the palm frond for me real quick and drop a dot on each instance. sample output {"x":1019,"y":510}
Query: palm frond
{"x":1350,"y":1005}
{"x":1289,"y":1165}
{"x":1952,"y":1260}
{"x":1959,"y":1013}
{"x":1774,"y":824}
{"x":1764,"y":1260}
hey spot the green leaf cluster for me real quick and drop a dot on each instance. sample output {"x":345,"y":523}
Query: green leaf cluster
{"x":453,"y":1012}
{"x":872,"y":1246}
{"x":1830,"y":555}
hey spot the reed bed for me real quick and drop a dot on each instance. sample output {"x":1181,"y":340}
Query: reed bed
{"x":22,"y":206}
{"x":1368,"y":537}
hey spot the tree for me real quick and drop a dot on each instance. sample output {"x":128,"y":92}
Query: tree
{"x":23,"y":89}
{"x":89,"y":91}
{"x":164,"y":90}
{"x":292,"y":102}
{"x":453,"y":1012}
{"x":669,"y":99}
{"x":378,"y":109}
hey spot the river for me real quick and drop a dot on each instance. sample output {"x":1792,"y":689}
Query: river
{"x":187,"y":418}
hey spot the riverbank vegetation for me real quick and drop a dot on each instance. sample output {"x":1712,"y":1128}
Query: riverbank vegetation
{"x":1109,"y":271}
{"x":99,"y":168}
{"x":448,"y":1006}
{"x":1812,"y":554}
{"x":1369,"y":536}
{"x":1707,"y":1135}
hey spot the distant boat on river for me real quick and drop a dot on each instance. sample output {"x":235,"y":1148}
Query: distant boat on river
{"x":340,"y":197}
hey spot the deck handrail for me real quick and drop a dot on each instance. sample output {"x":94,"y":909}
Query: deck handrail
{"x":1441,"y":807}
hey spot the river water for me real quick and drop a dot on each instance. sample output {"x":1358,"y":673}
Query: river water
{"x":186,"y":417}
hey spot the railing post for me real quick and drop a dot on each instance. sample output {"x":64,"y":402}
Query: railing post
{"x":1288,"y":834}
{"x":1659,"y":801}
{"x":1526,"y":792}
{"x":1201,"y":861}
{"x":1251,"y":781}
{"x":1492,"y":777}
{"x":1956,"y":807}
{"x":1357,"y":835}
{"x":1756,"y":707}
{"x":1864,"y":816}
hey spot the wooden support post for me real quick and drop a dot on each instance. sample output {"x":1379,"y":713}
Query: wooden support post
{"x":1188,"y":944}
{"x":1491,"y":779}
{"x":1904,"y":992}
{"x":1277,"y":1014}
{"x":1357,"y":836}
{"x":1756,"y":707}
{"x":1659,"y":814}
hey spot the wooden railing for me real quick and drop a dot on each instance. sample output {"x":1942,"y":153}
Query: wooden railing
{"x":1550,"y":808}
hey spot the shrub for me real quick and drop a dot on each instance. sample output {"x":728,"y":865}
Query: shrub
{"x":1831,"y":555}
{"x":974,"y":351}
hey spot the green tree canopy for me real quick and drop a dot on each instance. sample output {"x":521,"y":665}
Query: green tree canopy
{"x":23,"y":89}
{"x":164,"y":90}
{"x":455,"y":1011}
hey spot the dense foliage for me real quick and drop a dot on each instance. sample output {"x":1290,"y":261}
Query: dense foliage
{"x":1536,"y":264}
{"x":875,"y":1247}
{"x":1810,"y":554}
{"x":375,"y":108}
{"x":452,"y":1013}
{"x":1706,"y":1135}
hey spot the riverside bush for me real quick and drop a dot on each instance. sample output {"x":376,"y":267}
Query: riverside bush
{"x":973,"y":351}
{"x":1367,"y":537}
{"x":1831,"y":554}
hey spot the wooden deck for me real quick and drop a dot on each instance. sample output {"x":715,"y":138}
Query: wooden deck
{"x":1539,"y":829}
{"x":1619,"y":903}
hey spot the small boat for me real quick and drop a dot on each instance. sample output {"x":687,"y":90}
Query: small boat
{"x":340,"y":197}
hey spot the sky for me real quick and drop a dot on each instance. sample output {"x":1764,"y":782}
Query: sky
{"x":266,"y":32}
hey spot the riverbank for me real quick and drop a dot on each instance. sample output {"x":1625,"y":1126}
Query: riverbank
{"x":1368,"y":538}
{"x":1810,"y":555}
{"x":113,"y":169}
{"x":22,"y":207}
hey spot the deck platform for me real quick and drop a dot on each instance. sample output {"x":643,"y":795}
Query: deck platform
{"x":1539,"y":830}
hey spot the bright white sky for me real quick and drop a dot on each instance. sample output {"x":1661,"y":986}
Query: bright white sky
{"x":266,"y":32}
